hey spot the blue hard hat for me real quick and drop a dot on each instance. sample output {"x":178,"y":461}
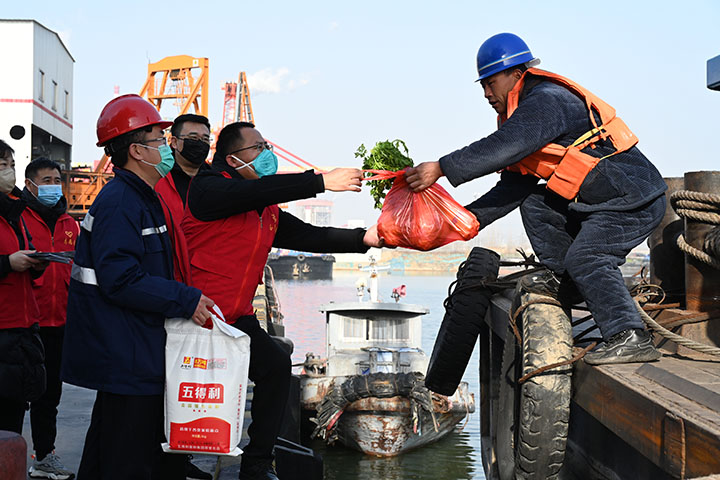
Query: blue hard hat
{"x":500,"y":52}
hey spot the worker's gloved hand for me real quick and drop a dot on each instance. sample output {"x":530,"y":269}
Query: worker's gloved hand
{"x":202,"y":311}
{"x":342,"y":180}
{"x":424,"y":175}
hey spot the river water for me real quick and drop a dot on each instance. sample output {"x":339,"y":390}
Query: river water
{"x":457,"y":456}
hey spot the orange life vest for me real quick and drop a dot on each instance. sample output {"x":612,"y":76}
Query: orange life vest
{"x":565,"y":168}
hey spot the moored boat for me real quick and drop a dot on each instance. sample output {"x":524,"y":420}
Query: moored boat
{"x":291,"y":265}
{"x":368,"y":393}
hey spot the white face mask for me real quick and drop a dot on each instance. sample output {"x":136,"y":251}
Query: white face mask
{"x":7,"y":180}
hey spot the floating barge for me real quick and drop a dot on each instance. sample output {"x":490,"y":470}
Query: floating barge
{"x":301,"y":266}
{"x":633,"y":421}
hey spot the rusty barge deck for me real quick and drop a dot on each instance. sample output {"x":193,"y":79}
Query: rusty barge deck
{"x":633,"y":421}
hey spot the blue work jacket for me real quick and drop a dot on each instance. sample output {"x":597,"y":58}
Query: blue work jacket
{"x":121,"y":290}
{"x":550,"y":113}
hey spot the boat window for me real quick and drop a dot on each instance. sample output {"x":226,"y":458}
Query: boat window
{"x":354,"y":328}
{"x":390,"y":330}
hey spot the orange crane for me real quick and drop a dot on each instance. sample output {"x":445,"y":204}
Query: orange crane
{"x":246,"y":112}
{"x":234,"y":109}
{"x":240,"y":110}
{"x":181,"y":78}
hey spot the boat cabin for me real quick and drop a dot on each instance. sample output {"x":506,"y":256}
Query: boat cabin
{"x":371,"y":337}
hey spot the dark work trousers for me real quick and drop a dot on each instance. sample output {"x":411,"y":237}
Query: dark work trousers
{"x":12,"y":414}
{"x":590,"y":247}
{"x":123,"y":441}
{"x":43,"y":411}
{"x":270,"y":370}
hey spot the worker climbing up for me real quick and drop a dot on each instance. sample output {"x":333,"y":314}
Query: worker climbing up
{"x":601,"y":196}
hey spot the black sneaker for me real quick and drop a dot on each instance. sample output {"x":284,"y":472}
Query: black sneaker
{"x":192,"y":471}
{"x":550,"y":285}
{"x":628,"y":346}
{"x":255,"y":469}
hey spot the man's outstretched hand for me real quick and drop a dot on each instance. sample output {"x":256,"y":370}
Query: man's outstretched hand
{"x":371,"y":238}
{"x":342,"y":180}
{"x":424,"y":175}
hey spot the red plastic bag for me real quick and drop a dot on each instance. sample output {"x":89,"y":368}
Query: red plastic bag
{"x":424,"y":220}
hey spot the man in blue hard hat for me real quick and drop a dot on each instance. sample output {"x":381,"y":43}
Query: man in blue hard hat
{"x":601,"y":196}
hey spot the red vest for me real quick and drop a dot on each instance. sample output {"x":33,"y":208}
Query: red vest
{"x":565,"y":168}
{"x":19,"y":309}
{"x":51,"y":288}
{"x":174,"y":208}
{"x":228,"y":256}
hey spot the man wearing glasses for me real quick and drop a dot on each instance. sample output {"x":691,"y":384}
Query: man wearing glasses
{"x":231,"y":222}
{"x":190,"y":142}
{"x":121,"y":290}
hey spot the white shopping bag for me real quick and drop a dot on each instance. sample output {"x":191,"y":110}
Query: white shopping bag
{"x":206,"y":374}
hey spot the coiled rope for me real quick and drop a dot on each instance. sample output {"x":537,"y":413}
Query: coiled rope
{"x":700,"y":207}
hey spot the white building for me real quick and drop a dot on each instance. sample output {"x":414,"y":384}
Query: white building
{"x":315,"y":211}
{"x":36,"y":93}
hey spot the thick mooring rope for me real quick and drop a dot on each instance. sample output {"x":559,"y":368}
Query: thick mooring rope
{"x":679,"y":339}
{"x":699,"y":207}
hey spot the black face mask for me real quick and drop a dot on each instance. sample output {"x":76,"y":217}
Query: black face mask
{"x":194,"y":151}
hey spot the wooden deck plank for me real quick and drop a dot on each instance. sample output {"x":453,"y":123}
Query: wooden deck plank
{"x":638,"y":410}
{"x":685,"y":385}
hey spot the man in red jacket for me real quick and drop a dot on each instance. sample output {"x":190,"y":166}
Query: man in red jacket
{"x":231,"y":222}
{"x":52,"y":230}
{"x":190,"y":143}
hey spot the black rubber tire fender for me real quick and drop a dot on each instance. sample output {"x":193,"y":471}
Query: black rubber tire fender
{"x":465,"y":311}
{"x":508,"y":405}
{"x":533,"y":426}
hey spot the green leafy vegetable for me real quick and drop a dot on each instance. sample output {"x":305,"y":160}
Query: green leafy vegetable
{"x":383,"y":156}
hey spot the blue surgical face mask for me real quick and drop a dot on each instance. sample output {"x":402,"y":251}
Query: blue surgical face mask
{"x":265,"y":164}
{"x":48,"y":195}
{"x":167,"y":161}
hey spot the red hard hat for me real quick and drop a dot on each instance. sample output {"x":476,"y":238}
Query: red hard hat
{"x":125,"y":114}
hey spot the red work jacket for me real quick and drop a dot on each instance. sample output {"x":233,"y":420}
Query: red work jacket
{"x":19,"y":309}
{"x":173,"y":207}
{"x":228,"y":256}
{"x":51,"y":288}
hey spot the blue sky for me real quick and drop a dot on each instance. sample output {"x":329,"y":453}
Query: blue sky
{"x":328,"y":76}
